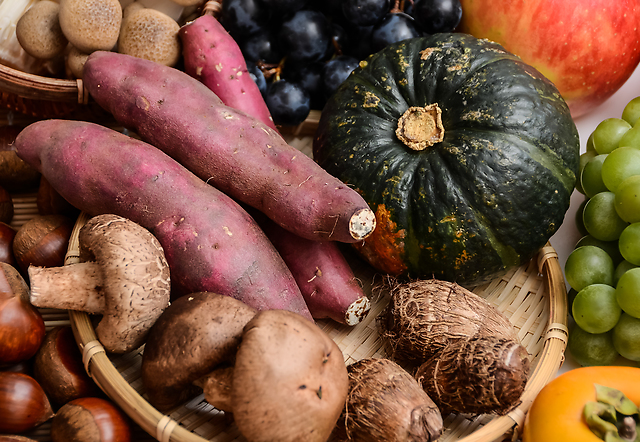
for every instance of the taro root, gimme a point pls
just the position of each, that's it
(423, 316)
(290, 381)
(385, 403)
(59, 369)
(476, 376)
(195, 335)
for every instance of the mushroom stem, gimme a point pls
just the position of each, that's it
(72, 287)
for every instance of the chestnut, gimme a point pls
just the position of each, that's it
(6, 206)
(7, 234)
(50, 202)
(22, 328)
(90, 419)
(59, 369)
(23, 403)
(15, 438)
(42, 241)
(16, 175)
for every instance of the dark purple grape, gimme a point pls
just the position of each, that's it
(339, 41)
(335, 71)
(309, 77)
(435, 16)
(262, 46)
(360, 45)
(288, 103)
(305, 36)
(394, 27)
(365, 12)
(257, 76)
(242, 18)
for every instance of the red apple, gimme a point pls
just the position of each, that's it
(587, 48)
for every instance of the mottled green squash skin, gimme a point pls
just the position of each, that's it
(481, 201)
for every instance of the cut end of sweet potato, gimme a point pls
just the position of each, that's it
(357, 311)
(362, 224)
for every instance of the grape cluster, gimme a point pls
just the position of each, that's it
(300, 51)
(603, 270)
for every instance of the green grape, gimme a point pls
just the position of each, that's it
(622, 163)
(591, 176)
(628, 292)
(627, 201)
(631, 138)
(611, 247)
(631, 112)
(590, 349)
(579, 220)
(584, 159)
(626, 337)
(620, 269)
(629, 243)
(588, 265)
(607, 134)
(589, 147)
(595, 308)
(601, 219)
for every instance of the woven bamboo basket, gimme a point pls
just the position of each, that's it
(532, 296)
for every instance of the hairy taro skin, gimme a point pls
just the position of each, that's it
(385, 403)
(227, 148)
(480, 375)
(483, 200)
(210, 243)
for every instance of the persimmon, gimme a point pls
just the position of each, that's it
(556, 414)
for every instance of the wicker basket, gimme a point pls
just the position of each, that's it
(532, 296)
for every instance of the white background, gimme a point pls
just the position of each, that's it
(567, 236)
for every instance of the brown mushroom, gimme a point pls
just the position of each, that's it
(39, 32)
(91, 25)
(194, 336)
(290, 381)
(150, 34)
(123, 275)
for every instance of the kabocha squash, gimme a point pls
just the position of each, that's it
(467, 155)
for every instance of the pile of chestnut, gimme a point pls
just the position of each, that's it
(42, 376)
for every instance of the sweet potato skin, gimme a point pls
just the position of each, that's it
(324, 276)
(212, 56)
(211, 244)
(227, 148)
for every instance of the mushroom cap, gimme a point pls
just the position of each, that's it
(38, 31)
(75, 61)
(290, 381)
(135, 276)
(193, 336)
(91, 25)
(150, 34)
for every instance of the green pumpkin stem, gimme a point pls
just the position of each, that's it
(421, 127)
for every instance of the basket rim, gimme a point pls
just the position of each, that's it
(165, 429)
(37, 87)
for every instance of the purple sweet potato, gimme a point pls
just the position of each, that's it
(212, 56)
(227, 148)
(324, 276)
(210, 242)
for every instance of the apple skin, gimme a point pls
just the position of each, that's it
(587, 48)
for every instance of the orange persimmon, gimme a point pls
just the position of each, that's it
(556, 412)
